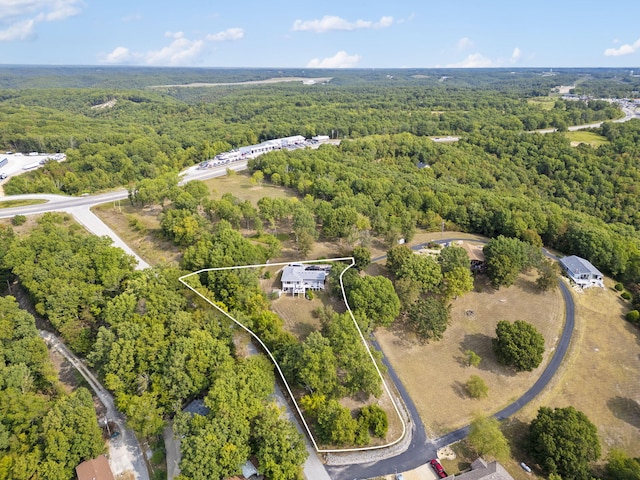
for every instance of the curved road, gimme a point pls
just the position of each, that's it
(422, 449)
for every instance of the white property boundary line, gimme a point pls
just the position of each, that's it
(284, 380)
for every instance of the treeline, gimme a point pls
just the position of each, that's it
(377, 178)
(146, 132)
(326, 366)
(44, 432)
(154, 346)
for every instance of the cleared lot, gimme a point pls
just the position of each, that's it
(435, 374)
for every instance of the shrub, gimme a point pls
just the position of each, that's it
(473, 359)
(626, 295)
(633, 316)
(18, 220)
(619, 287)
(476, 387)
(375, 420)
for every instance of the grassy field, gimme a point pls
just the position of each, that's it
(435, 373)
(140, 229)
(545, 103)
(600, 374)
(20, 203)
(590, 138)
(240, 186)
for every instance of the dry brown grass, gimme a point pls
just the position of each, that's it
(600, 373)
(239, 185)
(435, 374)
(140, 229)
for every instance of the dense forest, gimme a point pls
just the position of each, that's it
(157, 346)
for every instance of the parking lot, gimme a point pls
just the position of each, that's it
(18, 163)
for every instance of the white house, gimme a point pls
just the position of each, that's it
(297, 278)
(582, 272)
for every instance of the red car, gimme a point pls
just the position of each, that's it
(438, 468)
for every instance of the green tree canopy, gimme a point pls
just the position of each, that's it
(518, 344)
(564, 441)
(429, 317)
(487, 439)
(376, 298)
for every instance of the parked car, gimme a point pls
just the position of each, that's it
(399, 476)
(3, 176)
(438, 468)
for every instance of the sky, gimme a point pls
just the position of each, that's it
(321, 34)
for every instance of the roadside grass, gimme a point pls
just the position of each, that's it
(20, 203)
(600, 373)
(140, 229)
(590, 138)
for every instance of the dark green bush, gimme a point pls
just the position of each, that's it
(633, 316)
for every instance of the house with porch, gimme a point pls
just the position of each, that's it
(297, 278)
(582, 272)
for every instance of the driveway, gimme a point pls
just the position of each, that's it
(125, 454)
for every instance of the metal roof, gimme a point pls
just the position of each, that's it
(300, 273)
(577, 265)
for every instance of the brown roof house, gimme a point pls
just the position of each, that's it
(481, 470)
(95, 469)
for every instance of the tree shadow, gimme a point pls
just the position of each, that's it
(626, 409)
(483, 346)
(460, 389)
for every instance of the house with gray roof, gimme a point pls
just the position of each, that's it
(481, 470)
(582, 272)
(297, 278)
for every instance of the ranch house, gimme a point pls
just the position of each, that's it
(582, 272)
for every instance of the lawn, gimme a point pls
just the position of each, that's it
(435, 373)
(590, 138)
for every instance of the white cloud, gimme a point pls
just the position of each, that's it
(18, 31)
(517, 53)
(465, 43)
(331, 23)
(227, 35)
(18, 18)
(121, 55)
(474, 60)
(408, 19)
(180, 51)
(340, 60)
(625, 49)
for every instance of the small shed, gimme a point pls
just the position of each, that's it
(95, 469)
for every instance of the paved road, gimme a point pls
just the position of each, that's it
(80, 207)
(628, 115)
(422, 449)
(125, 453)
